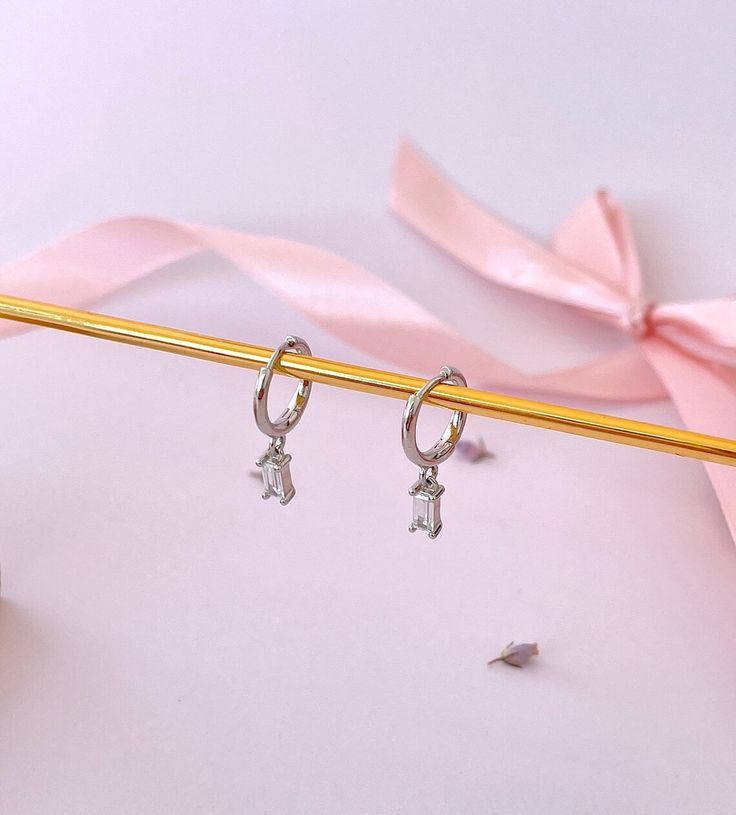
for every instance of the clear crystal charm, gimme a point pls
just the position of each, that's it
(274, 465)
(426, 493)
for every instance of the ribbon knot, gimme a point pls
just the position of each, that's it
(638, 321)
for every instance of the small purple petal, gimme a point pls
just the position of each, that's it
(520, 654)
(474, 451)
(517, 655)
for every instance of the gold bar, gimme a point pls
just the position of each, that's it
(369, 380)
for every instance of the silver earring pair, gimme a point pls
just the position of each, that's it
(275, 463)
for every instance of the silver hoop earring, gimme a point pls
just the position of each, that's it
(274, 463)
(427, 491)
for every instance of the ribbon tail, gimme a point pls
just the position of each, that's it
(705, 397)
(84, 267)
(350, 302)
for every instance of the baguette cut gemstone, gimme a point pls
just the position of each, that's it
(276, 473)
(426, 496)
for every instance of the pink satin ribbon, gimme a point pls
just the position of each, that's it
(686, 351)
(683, 350)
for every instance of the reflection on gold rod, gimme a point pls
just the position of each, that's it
(369, 380)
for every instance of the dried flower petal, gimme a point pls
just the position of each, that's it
(517, 654)
(474, 451)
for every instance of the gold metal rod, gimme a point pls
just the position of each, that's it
(369, 380)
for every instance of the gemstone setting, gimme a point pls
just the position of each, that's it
(276, 474)
(426, 494)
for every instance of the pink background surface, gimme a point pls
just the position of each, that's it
(168, 641)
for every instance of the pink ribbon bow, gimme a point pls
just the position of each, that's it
(686, 351)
